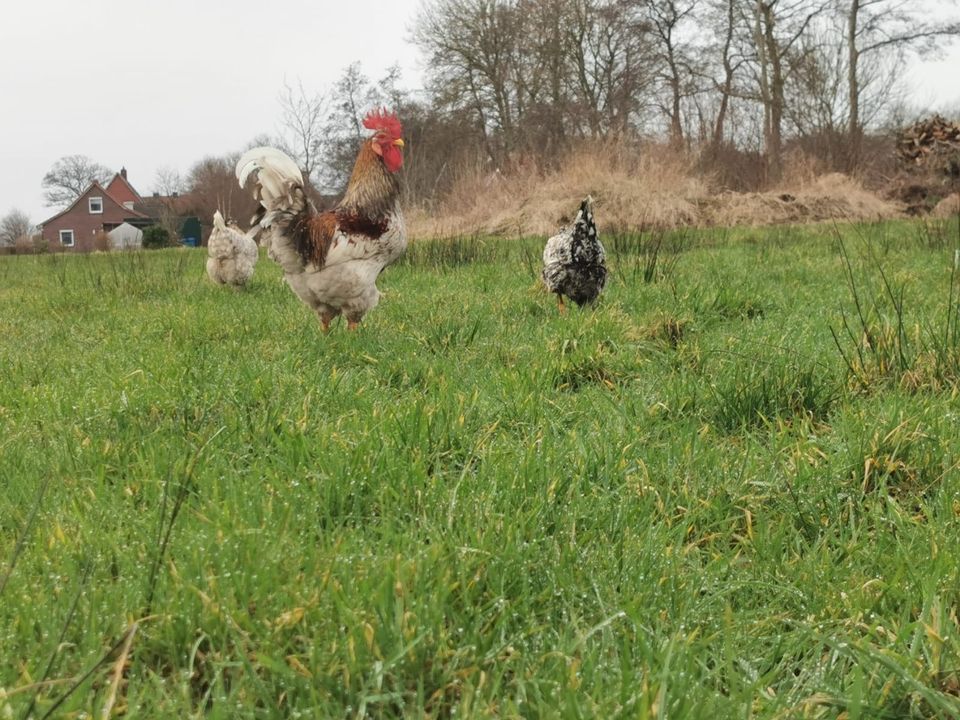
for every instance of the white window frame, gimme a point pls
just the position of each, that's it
(73, 238)
(90, 202)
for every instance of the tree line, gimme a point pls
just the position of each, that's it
(531, 75)
(509, 82)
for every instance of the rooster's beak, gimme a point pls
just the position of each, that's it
(398, 142)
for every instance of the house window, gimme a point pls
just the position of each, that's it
(66, 238)
(96, 205)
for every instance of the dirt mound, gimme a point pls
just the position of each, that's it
(833, 196)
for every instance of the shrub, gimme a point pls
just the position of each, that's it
(156, 236)
(102, 242)
(27, 245)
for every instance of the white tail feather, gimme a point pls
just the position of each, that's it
(277, 176)
(218, 222)
(268, 158)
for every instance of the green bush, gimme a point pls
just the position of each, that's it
(156, 236)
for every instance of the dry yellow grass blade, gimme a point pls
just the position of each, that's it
(117, 673)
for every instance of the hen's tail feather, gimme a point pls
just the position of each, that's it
(585, 216)
(219, 245)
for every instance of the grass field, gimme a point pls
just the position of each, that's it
(725, 492)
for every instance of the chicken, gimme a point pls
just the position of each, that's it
(332, 259)
(233, 254)
(574, 263)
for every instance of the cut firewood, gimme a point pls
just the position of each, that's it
(933, 143)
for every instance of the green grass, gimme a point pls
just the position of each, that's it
(694, 500)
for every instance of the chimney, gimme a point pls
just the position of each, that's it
(123, 173)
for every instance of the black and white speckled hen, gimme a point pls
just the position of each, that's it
(574, 263)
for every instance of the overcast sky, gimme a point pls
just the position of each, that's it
(161, 84)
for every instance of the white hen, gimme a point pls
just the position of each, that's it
(233, 254)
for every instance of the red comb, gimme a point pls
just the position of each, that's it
(386, 122)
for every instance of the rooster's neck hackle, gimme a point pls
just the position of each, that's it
(372, 190)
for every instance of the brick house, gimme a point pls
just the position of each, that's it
(98, 209)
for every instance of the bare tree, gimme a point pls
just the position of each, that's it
(668, 20)
(212, 185)
(612, 68)
(473, 47)
(726, 22)
(302, 118)
(815, 98)
(69, 177)
(533, 73)
(13, 226)
(168, 182)
(778, 26)
(352, 96)
(515, 81)
(541, 74)
(876, 27)
(390, 91)
(170, 186)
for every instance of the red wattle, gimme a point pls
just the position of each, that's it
(392, 158)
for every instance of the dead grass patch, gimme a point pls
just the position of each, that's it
(903, 462)
(948, 207)
(828, 197)
(667, 330)
(649, 187)
(646, 187)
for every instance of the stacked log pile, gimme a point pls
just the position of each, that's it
(933, 143)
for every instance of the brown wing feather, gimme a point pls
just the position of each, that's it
(353, 223)
(313, 242)
(315, 235)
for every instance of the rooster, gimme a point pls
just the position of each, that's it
(332, 259)
(233, 254)
(574, 263)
